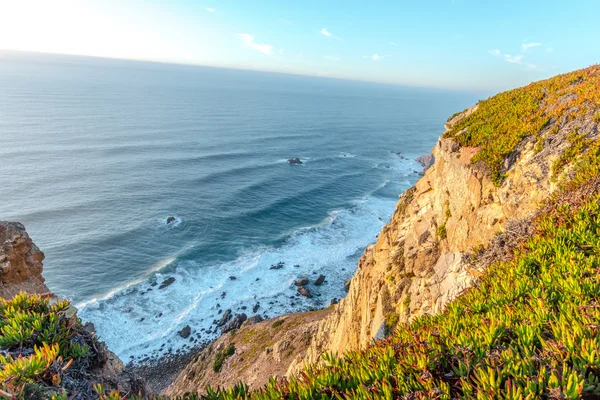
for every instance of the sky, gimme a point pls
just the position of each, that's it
(457, 44)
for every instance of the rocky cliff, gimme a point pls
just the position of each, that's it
(449, 227)
(20, 261)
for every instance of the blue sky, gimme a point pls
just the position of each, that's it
(460, 44)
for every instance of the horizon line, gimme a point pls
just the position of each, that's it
(236, 68)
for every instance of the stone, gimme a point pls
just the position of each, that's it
(333, 301)
(301, 282)
(167, 282)
(304, 291)
(224, 318)
(170, 219)
(320, 279)
(295, 161)
(232, 278)
(235, 323)
(426, 161)
(255, 319)
(255, 307)
(185, 332)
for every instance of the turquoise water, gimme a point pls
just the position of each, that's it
(96, 154)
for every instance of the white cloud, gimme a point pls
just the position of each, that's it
(209, 9)
(495, 52)
(374, 57)
(393, 43)
(325, 32)
(526, 46)
(248, 40)
(514, 59)
(518, 59)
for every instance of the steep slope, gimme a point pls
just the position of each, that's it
(495, 167)
(20, 262)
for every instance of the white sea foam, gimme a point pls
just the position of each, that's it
(140, 319)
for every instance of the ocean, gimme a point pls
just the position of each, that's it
(96, 154)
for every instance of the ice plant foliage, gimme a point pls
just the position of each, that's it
(501, 122)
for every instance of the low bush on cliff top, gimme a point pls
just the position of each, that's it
(41, 344)
(503, 121)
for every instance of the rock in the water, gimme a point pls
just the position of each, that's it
(301, 282)
(304, 291)
(347, 284)
(171, 219)
(167, 282)
(255, 307)
(185, 332)
(233, 278)
(279, 265)
(333, 301)
(224, 318)
(319, 281)
(295, 161)
(235, 323)
(426, 161)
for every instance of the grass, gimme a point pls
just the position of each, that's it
(501, 122)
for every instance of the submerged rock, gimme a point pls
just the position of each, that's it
(171, 219)
(319, 281)
(185, 332)
(167, 282)
(224, 318)
(295, 161)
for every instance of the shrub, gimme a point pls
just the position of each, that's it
(278, 323)
(222, 356)
(501, 122)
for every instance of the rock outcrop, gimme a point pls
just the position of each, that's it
(20, 262)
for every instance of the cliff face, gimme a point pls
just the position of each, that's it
(446, 230)
(422, 258)
(20, 261)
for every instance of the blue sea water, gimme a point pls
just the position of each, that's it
(95, 154)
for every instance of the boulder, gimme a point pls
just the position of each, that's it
(426, 161)
(224, 318)
(171, 219)
(295, 161)
(167, 282)
(255, 319)
(301, 282)
(333, 301)
(185, 332)
(255, 307)
(319, 281)
(304, 291)
(235, 323)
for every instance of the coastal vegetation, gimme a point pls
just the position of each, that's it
(501, 122)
